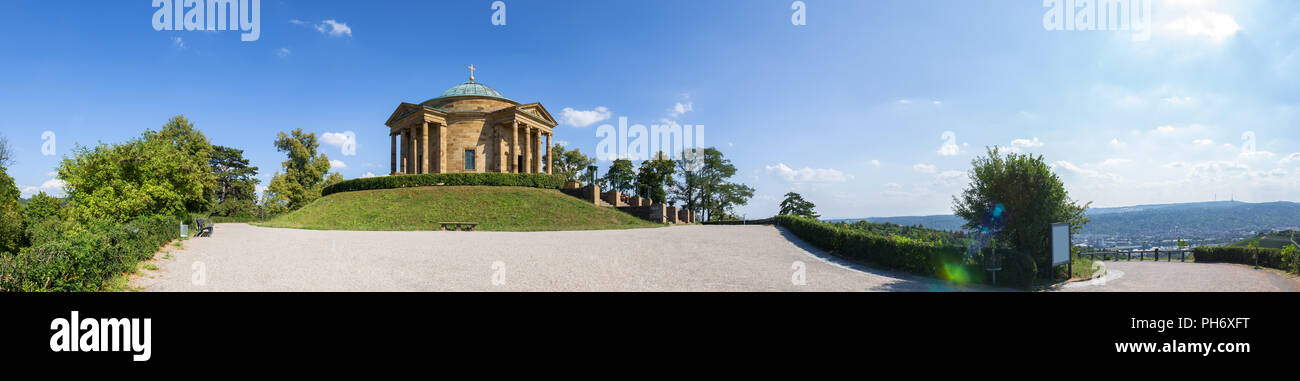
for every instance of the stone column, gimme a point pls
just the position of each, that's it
(537, 158)
(405, 151)
(424, 146)
(514, 147)
(392, 151)
(528, 150)
(442, 148)
(409, 147)
(549, 163)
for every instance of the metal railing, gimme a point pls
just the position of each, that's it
(1141, 254)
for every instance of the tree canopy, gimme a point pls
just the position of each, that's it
(621, 175)
(163, 172)
(701, 184)
(304, 173)
(236, 189)
(1017, 198)
(570, 163)
(11, 217)
(795, 205)
(653, 178)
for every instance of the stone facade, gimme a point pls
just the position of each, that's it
(470, 128)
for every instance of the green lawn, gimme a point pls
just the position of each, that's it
(493, 208)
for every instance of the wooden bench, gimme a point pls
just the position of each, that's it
(202, 228)
(457, 226)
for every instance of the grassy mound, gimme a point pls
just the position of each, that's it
(494, 208)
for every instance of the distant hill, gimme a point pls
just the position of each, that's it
(1275, 240)
(1154, 225)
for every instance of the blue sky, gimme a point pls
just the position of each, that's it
(851, 109)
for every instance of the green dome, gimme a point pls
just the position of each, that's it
(471, 89)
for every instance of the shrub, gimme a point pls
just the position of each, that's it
(908, 255)
(532, 180)
(83, 257)
(1272, 258)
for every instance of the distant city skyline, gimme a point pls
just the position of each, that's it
(871, 109)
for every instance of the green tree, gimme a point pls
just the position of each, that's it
(182, 134)
(795, 205)
(12, 236)
(43, 207)
(164, 172)
(702, 186)
(6, 152)
(304, 173)
(236, 190)
(620, 176)
(1023, 198)
(653, 177)
(571, 164)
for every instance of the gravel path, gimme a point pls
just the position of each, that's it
(1196, 277)
(241, 257)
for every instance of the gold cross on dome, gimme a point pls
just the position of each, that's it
(471, 73)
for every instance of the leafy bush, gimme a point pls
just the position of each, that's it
(83, 257)
(1285, 260)
(532, 180)
(909, 255)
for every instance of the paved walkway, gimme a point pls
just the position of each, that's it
(1178, 277)
(240, 257)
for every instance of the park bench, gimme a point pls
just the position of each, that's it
(456, 226)
(202, 228)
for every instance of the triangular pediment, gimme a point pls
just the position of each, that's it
(537, 109)
(402, 110)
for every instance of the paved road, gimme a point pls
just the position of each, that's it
(691, 258)
(1177, 277)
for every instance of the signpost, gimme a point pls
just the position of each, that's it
(1061, 244)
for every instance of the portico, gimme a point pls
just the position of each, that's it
(470, 128)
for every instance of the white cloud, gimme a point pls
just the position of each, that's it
(336, 164)
(346, 141)
(1203, 142)
(1117, 144)
(681, 108)
(1113, 162)
(1026, 143)
(808, 175)
(581, 118)
(296, 22)
(893, 186)
(1178, 100)
(876, 163)
(951, 178)
(1292, 158)
(1257, 155)
(924, 168)
(1212, 25)
(368, 175)
(1166, 129)
(904, 101)
(283, 52)
(53, 187)
(179, 42)
(334, 28)
(1068, 166)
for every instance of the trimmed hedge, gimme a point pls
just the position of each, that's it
(894, 253)
(1286, 260)
(531, 180)
(85, 258)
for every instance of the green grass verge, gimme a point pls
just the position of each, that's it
(494, 208)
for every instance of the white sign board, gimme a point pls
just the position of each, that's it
(1060, 244)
